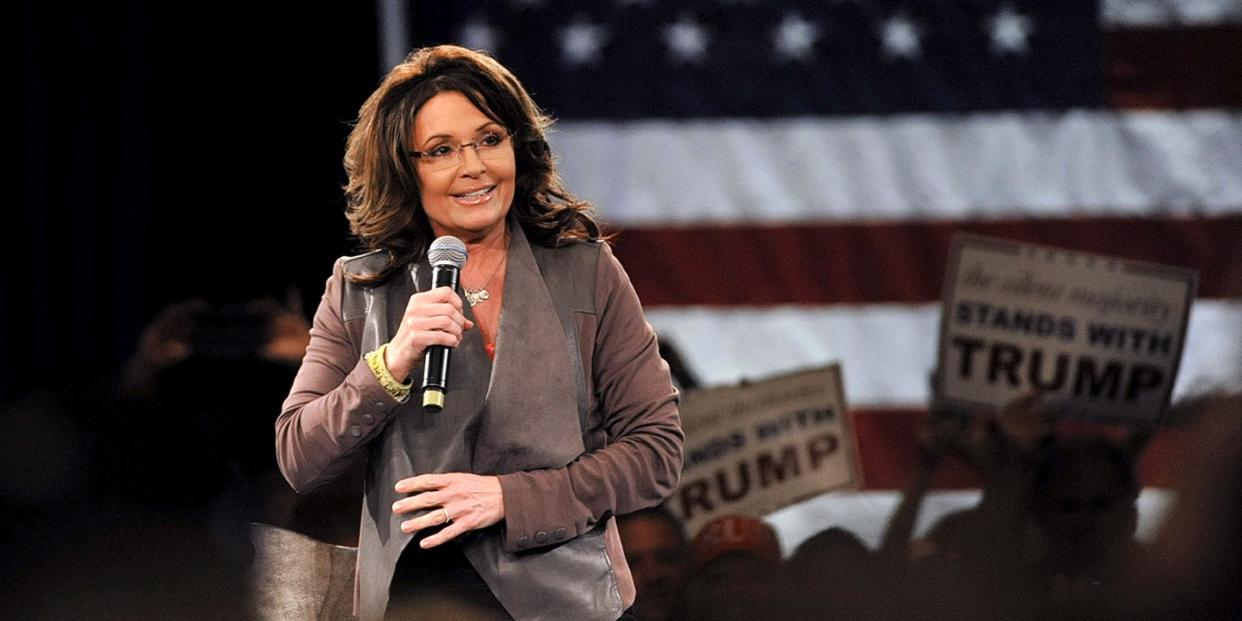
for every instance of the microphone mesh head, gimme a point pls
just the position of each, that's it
(447, 250)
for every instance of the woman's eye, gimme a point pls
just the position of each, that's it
(440, 151)
(491, 140)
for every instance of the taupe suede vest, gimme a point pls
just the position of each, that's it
(526, 411)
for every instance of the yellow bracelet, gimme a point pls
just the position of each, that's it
(375, 361)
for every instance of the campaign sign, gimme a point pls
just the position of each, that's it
(1100, 336)
(754, 448)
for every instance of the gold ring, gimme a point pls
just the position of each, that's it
(447, 519)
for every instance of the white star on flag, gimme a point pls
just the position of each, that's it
(900, 37)
(686, 40)
(581, 43)
(1010, 31)
(476, 34)
(795, 38)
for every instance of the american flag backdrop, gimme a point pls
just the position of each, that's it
(785, 176)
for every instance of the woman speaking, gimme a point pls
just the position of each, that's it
(558, 412)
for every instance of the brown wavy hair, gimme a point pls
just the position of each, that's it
(382, 195)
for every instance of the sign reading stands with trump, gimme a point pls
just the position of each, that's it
(1101, 337)
(754, 448)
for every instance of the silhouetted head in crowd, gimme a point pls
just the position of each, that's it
(735, 536)
(260, 329)
(199, 393)
(657, 553)
(1085, 500)
(194, 432)
(735, 571)
(833, 575)
(830, 553)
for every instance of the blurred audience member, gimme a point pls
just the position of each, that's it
(1193, 570)
(1051, 534)
(658, 554)
(259, 329)
(828, 553)
(834, 575)
(1084, 507)
(734, 535)
(210, 376)
(736, 563)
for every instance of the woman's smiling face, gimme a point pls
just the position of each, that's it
(470, 198)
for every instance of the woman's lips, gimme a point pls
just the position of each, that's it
(474, 198)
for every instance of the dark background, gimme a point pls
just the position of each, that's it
(168, 152)
(172, 151)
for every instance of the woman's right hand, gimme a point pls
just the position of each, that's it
(431, 318)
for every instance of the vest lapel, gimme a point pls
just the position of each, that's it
(531, 413)
(530, 421)
(422, 442)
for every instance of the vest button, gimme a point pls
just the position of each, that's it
(558, 534)
(523, 541)
(355, 431)
(541, 537)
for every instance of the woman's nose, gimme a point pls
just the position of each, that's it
(471, 163)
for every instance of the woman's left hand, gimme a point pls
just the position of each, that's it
(468, 501)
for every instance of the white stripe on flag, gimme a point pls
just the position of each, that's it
(887, 351)
(906, 167)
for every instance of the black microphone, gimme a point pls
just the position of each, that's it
(447, 254)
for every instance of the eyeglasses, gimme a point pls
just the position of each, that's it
(489, 146)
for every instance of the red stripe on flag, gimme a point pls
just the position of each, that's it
(902, 262)
(1172, 68)
(888, 451)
